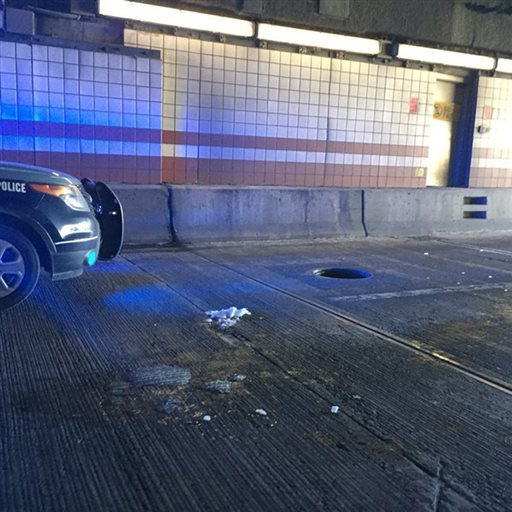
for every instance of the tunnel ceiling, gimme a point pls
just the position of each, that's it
(474, 24)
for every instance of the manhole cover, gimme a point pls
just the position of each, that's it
(342, 273)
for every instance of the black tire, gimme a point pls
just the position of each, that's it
(19, 267)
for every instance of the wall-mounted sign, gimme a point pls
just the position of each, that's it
(413, 105)
(445, 111)
(487, 112)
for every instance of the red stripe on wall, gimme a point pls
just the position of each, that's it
(79, 131)
(109, 168)
(494, 153)
(283, 143)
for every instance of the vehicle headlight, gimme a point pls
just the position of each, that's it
(75, 229)
(70, 194)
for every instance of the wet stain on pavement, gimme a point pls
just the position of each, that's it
(160, 376)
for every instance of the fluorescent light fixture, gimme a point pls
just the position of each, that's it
(176, 17)
(444, 57)
(504, 66)
(315, 39)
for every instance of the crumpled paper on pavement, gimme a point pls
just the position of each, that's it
(224, 318)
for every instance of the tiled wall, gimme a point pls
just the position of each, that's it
(239, 115)
(232, 115)
(89, 113)
(492, 151)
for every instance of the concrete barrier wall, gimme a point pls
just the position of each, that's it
(146, 213)
(203, 214)
(404, 212)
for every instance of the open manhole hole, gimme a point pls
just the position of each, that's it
(342, 273)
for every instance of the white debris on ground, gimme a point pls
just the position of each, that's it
(425, 253)
(207, 418)
(219, 386)
(335, 409)
(224, 318)
(261, 412)
(238, 377)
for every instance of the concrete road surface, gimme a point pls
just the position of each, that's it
(108, 380)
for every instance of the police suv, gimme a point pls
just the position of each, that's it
(52, 221)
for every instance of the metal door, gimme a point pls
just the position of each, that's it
(443, 136)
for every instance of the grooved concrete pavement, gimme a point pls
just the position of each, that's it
(89, 365)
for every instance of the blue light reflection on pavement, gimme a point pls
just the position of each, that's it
(113, 267)
(148, 298)
(151, 285)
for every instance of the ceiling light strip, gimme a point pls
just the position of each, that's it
(161, 15)
(445, 57)
(504, 66)
(311, 38)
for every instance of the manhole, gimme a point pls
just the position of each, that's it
(342, 273)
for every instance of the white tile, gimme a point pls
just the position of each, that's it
(130, 37)
(11, 81)
(115, 90)
(128, 92)
(102, 75)
(273, 82)
(143, 39)
(129, 63)
(86, 73)
(263, 68)
(56, 85)
(9, 97)
(129, 107)
(143, 93)
(114, 105)
(8, 65)
(241, 53)
(23, 51)
(100, 59)
(40, 83)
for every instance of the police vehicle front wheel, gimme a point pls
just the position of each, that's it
(19, 267)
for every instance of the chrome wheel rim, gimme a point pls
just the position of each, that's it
(12, 268)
